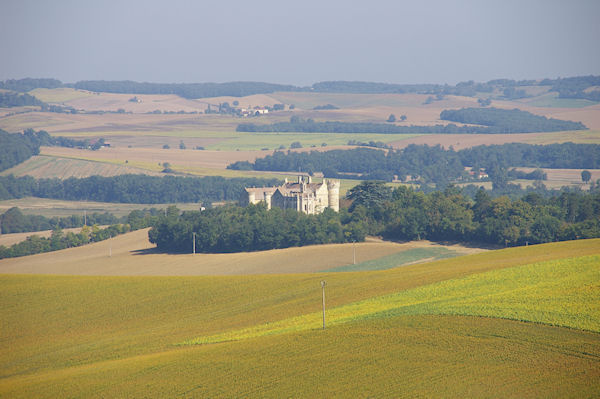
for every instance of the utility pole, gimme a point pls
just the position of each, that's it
(194, 243)
(354, 252)
(85, 217)
(323, 284)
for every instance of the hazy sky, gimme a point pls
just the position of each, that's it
(299, 42)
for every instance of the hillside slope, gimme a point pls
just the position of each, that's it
(119, 336)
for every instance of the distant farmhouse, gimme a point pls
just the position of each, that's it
(303, 196)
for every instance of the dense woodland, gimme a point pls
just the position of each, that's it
(430, 164)
(400, 214)
(10, 99)
(509, 120)
(185, 90)
(490, 121)
(17, 148)
(140, 189)
(251, 228)
(403, 214)
(584, 87)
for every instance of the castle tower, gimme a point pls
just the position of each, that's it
(333, 195)
(268, 199)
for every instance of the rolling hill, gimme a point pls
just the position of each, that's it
(483, 325)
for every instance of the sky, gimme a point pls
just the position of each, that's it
(300, 42)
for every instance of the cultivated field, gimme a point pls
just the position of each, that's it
(49, 207)
(131, 254)
(49, 167)
(414, 331)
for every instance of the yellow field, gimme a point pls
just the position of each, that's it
(551, 292)
(117, 336)
(48, 167)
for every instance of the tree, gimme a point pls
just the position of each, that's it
(182, 145)
(402, 118)
(296, 144)
(391, 118)
(370, 194)
(586, 176)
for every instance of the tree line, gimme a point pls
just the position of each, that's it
(185, 90)
(576, 87)
(141, 189)
(251, 228)
(509, 120)
(491, 121)
(10, 99)
(571, 87)
(58, 240)
(297, 124)
(14, 221)
(430, 164)
(403, 214)
(399, 214)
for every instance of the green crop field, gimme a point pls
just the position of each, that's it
(409, 256)
(519, 322)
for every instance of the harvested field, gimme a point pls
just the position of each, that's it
(155, 157)
(566, 176)
(48, 167)
(131, 255)
(60, 95)
(50, 207)
(460, 141)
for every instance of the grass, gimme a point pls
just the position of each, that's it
(115, 336)
(402, 258)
